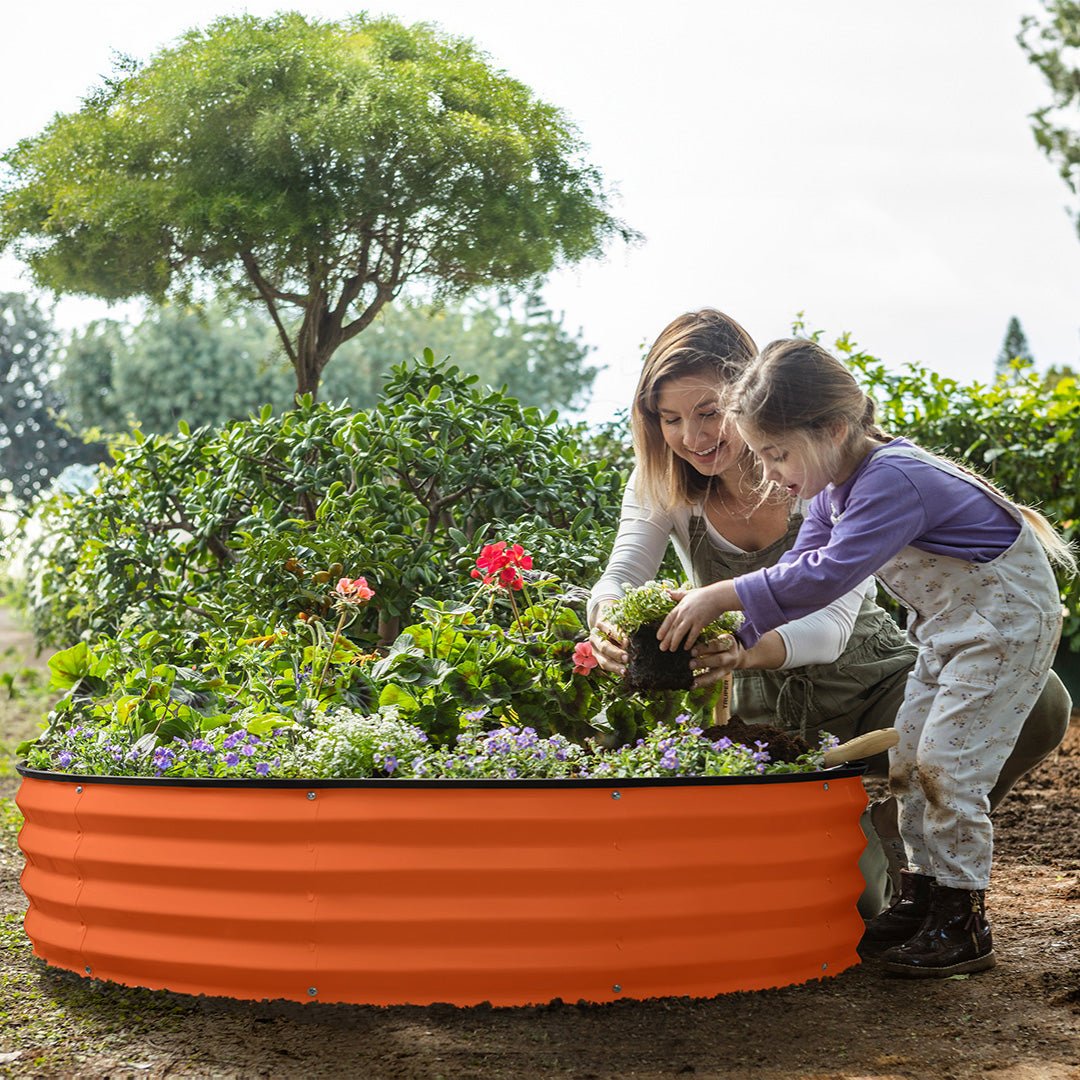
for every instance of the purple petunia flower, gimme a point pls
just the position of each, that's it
(202, 745)
(232, 760)
(163, 758)
(262, 768)
(247, 750)
(232, 740)
(65, 759)
(390, 763)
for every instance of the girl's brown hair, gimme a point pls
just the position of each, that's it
(707, 344)
(797, 390)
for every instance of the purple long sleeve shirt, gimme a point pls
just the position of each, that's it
(887, 504)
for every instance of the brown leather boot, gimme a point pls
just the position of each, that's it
(954, 939)
(901, 919)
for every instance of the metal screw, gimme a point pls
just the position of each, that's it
(78, 789)
(312, 991)
(617, 988)
(87, 969)
(825, 786)
(616, 795)
(311, 794)
(824, 967)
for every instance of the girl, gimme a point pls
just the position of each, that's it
(973, 570)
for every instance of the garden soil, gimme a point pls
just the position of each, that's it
(1019, 1021)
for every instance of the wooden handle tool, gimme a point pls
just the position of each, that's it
(862, 746)
(722, 708)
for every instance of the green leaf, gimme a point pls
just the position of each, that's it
(69, 665)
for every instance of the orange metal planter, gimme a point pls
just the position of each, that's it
(412, 892)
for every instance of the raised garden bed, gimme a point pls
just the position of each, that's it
(390, 892)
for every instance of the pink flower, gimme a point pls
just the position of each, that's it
(353, 591)
(502, 564)
(584, 661)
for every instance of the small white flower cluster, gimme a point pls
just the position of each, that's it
(348, 744)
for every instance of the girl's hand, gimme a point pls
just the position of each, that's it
(720, 656)
(608, 645)
(683, 624)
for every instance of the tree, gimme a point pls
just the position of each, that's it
(314, 166)
(1047, 46)
(203, 365)
(1014, 347)
(34, 447)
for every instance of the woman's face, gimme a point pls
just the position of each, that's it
(694, 427)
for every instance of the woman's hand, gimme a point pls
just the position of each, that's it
(608, 645)
(718, 657)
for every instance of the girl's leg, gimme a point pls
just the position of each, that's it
(1042, 733)
(969, 733)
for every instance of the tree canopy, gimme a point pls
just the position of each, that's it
(1051, 44)
(313, 166)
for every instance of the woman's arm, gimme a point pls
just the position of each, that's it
(638, 551)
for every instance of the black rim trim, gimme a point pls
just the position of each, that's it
(836, 773)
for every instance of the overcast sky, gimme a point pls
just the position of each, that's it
(868, 163)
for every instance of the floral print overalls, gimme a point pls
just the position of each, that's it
(986, 634)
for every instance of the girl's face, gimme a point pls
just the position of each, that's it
(694, 427)
(791, 463)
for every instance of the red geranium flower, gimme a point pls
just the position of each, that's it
(353, 591)
(584, 660)
(502, 563)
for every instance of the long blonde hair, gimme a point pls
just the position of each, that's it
(798, 390)
(705, 343)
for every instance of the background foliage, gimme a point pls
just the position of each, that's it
(209, 364)
(198, 528)
(34, 445)
(1051, 43)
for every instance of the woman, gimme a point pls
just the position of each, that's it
(695, 485)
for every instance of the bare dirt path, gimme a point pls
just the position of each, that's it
(1020, 1021)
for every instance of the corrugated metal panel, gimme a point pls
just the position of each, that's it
(445, 894)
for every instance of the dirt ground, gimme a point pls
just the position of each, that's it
(1019, 1021)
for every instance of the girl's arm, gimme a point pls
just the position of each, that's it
(884, 514)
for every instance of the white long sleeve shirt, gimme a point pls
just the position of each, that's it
(638, 551)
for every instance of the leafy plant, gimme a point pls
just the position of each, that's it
(239, 529)
(649, 603)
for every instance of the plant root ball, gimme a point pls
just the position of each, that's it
(649, 669)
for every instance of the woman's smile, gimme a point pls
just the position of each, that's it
(693, 425)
